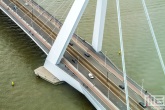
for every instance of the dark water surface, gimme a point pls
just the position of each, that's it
(142, 61)
(19, 56)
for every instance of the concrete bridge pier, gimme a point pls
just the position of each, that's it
(56, 53)
(59, 47)
(63, 76)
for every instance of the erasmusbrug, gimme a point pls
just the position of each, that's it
(142, 59)
(132, 39)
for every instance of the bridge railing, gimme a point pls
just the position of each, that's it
(89, 86)
(28, 20)
(141, 97)
(69, 72)
(47, 14)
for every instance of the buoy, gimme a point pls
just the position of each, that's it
(119, 52)
(12, 83)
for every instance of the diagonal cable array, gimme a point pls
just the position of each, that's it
(122, 54)
(58, 9)
(153, 35)
(37, 5)
(62, 17)
(62, 5)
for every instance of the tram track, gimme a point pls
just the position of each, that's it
(109, 84)
(35, 19)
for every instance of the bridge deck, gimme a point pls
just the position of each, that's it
(80, 46)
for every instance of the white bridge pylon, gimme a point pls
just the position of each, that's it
(99, 25)
(70, 24)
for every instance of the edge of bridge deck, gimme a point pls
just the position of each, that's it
(46, 75)
(43, 70)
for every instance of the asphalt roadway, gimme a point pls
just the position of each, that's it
(84, 71)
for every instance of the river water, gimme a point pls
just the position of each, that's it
(19, 55)
(142, 61)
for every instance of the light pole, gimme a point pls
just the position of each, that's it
(142, 86)
(108, 85)
(32, 16)
(77, 35)
(77, 62)
(105, 58)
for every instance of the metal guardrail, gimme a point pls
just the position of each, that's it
(108, 59)
(88, 84)
(46, 12)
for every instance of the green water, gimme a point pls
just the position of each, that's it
(19, 55)
(141, 57)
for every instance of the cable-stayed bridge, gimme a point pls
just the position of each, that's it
(71, 59)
